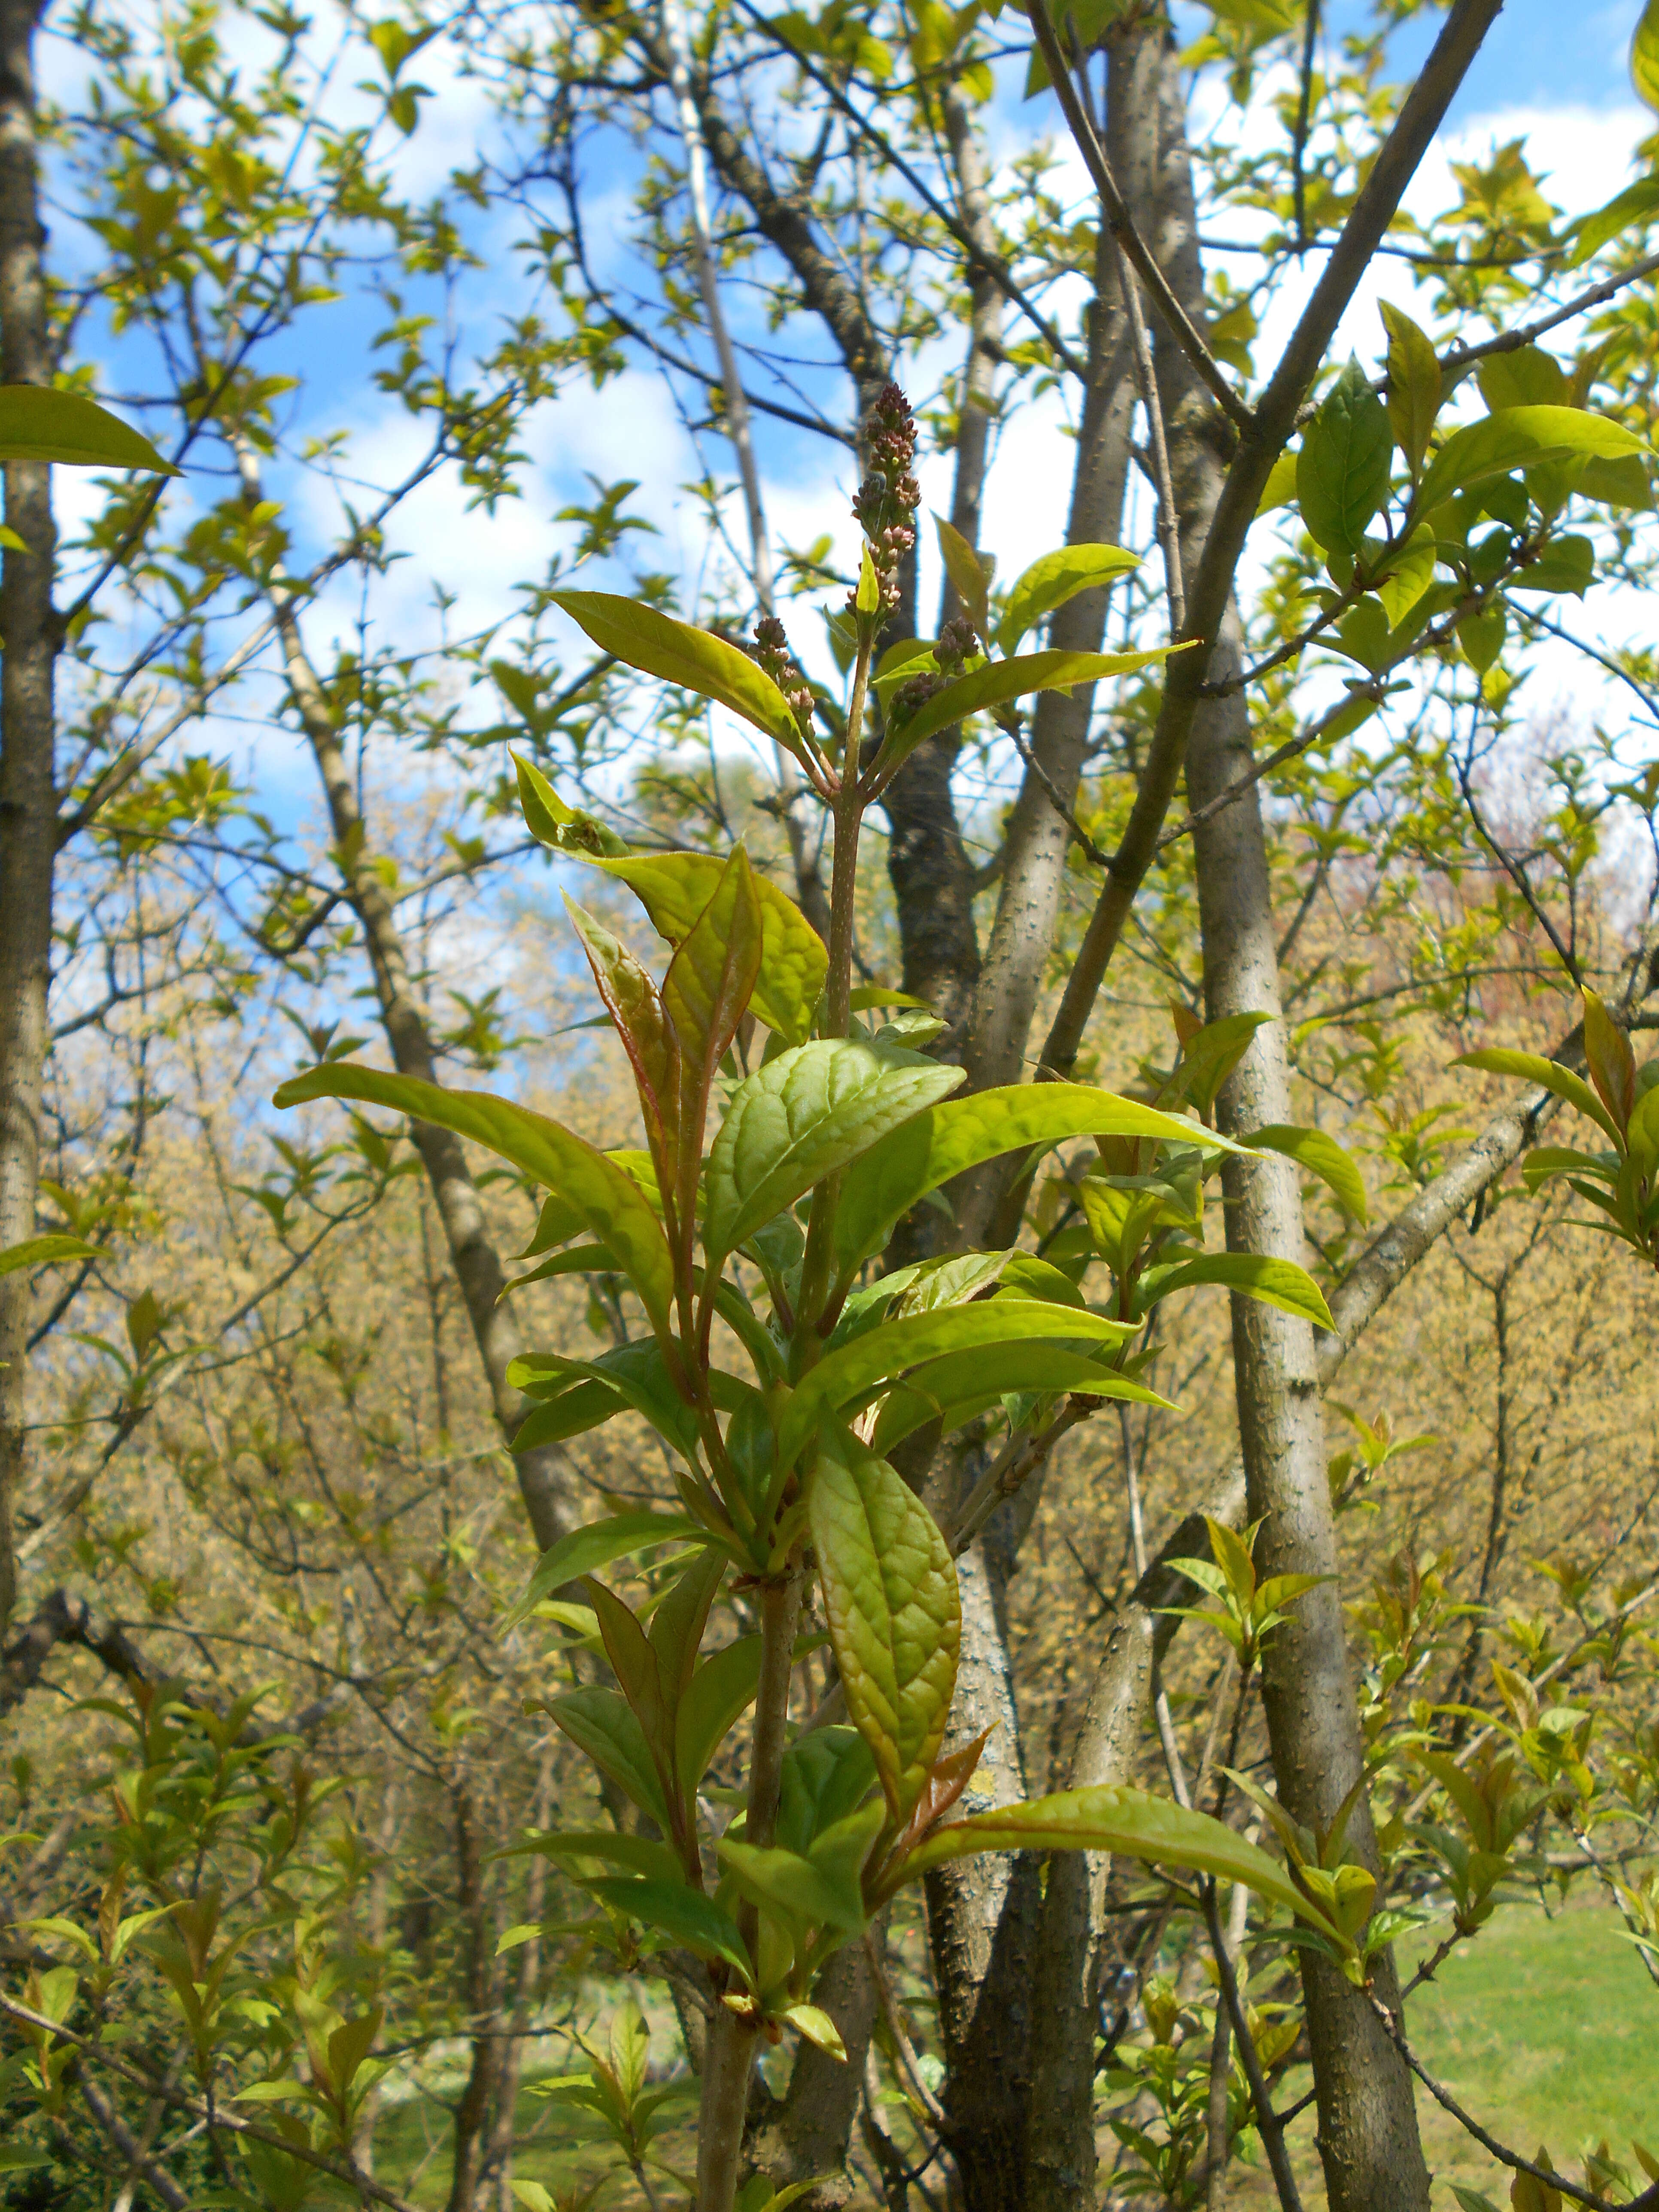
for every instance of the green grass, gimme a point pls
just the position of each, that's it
(1547, 2031)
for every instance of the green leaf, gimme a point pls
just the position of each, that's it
(722, 1690)
(821, 1890)
(46, 1251)
(675, 889)
(1410, 571)
(694, 660)
(1057, 577)
(1342, 469)
(1322, 1156)
(817, 2027)
(889, 1592)
(800, 1117)
(639, 1855)
(585, 1552)
(1591, 232)
(680, 1913)
(1128, 1823)
(1612, 1063)
(948, 1139)
(705, 994)
(896, 1346)
(1414, 385)
(1518, 438)
(971, 572)
(999, 682)
(600, 1722)
(563, 827)
(1644, 56)
(636, 1009)
(963, 1384)
(1280, 491)
(1276, 1282)
(38, 423)
(1549, 1075)
(636, 1374)
(609, 1201)
(1527, 376)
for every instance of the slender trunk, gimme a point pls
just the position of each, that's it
(981, 1921)
(1368, 2132)
(541, 1473)
(984, 1916)
(28, 806)
(1034, 866)
(733, 2036)
(482, 2001)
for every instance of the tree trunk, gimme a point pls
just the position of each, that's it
(1368, 2132)
(482, 1999)
(29, 823)
(541, 1473)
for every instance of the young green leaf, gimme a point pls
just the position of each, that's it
(693, 660)
(889, 1349)
(49, 1251)
(948, 1139)
(722, 1690)
(561, 828)
(599, 1722)
(1415, 383)
(817, 2027)
(682, 1915)
(1644, 56)
(584, 1551)
(608, 1200)
(675, 889)
(1278, 1283)
(1057, 577)
(971, 572)
(997, 683)
(1549, 1075)
(800, 1117)
(889, 1591)
(1342, 469)
(1322, 1156)
(1612, 1063)
(631, 999)
(585, 1847)
(704, 995)
(1130, 1824)
(1519, 438)
(40, 423)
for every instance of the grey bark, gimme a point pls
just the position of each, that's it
(1034, 866)
(28, 651)
(1368, 2134)
(542, 1474)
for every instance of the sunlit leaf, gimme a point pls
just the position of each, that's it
(1057, 577)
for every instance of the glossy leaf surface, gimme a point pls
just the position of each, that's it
(1057, 577)
(802, 1116)
(675, 887)
(889, 1592)
(948, 1139)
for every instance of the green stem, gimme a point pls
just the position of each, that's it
(733, 2036)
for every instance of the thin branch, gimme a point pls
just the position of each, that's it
(1115, 209)
(1303, 111)
(1647, 2202)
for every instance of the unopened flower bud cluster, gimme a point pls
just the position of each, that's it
(771, 650)
(887, 500)
(957, 643)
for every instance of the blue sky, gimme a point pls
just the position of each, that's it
(1560, 80)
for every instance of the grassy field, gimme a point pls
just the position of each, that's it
(1548, 2031)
